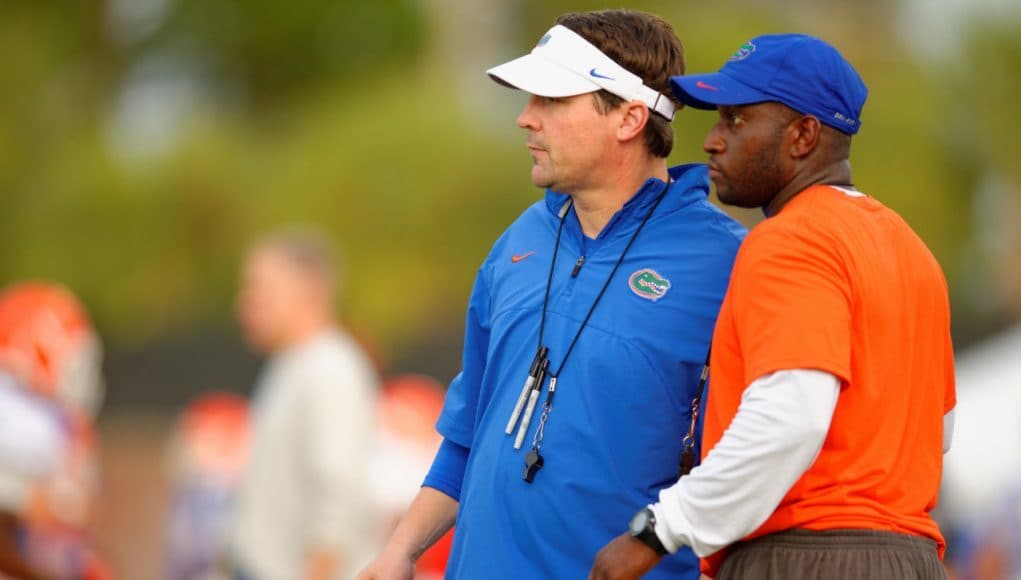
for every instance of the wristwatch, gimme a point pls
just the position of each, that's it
(643, 529)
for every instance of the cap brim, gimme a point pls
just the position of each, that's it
(709, 91)
(541, 77)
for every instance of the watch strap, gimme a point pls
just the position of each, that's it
(648, 535)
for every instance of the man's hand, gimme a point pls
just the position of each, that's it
(429, 517)
(625, 558)
(387, 567)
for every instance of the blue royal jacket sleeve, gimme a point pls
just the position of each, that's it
(446, 474)
(613, 438)
(457, 421)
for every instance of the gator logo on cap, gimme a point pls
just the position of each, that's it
(545, 38)
(744, 52)
(648, 284)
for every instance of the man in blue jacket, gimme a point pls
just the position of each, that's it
(603, 294)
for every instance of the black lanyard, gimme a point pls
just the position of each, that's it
(540, 364)
(620, 260)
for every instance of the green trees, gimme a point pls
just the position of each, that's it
(143, 143)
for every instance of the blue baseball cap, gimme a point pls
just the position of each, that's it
(800, 71)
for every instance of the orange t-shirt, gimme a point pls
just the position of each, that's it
(837, 282)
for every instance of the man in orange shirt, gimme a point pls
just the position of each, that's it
(832, 384)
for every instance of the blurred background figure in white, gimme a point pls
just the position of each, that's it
(209, 451)
(408, 409)
(50, 389)
(304, 509)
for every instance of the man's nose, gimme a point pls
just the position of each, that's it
(528, 119)
(713, 142)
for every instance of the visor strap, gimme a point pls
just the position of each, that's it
(566, 48)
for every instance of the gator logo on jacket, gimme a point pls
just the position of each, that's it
(648, 284)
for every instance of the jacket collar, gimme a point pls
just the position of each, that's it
(688, 183)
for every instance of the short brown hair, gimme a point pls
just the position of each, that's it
(644, 44)
(310, 250)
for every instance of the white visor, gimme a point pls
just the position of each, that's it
(564, 64)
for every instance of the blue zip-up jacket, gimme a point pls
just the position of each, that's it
(622, 403)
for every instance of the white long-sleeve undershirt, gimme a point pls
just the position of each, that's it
(775, 436)
(948, 430)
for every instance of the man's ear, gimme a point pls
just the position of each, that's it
(635, 115)
(803, 136)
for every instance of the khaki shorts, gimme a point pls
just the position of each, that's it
(834, 555)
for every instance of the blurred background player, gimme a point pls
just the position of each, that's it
(304, 509)
(50, 389)
(209, 452)
(408, 441)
